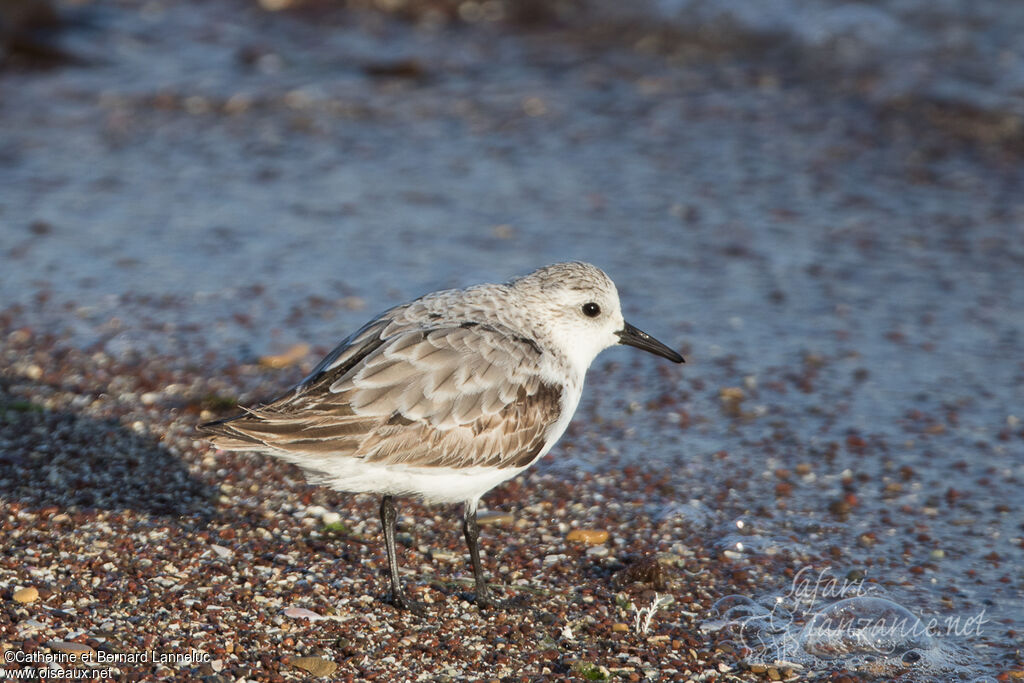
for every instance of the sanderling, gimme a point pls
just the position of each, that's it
(446, 396)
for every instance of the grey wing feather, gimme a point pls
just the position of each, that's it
(450, 396)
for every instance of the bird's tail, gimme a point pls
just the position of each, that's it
(226, 435)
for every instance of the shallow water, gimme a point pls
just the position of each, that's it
(211, 181)
(967, 54)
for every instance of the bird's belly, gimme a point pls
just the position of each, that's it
(433, 484)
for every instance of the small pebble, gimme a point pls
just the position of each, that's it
(221, 551)
(588, 536)
(29, 626)
(727, 394)
(318, 666)
(303, 613)
(329, 517)
(26, 595)
(286, 359)
(444, 556)
(492, 518)
(69, 647)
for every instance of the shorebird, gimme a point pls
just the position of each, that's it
(446, 396)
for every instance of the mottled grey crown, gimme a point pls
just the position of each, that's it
(575, 275)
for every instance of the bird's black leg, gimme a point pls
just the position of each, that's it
(399, 599)
(472, 533)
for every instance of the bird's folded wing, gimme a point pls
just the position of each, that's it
(467, 395)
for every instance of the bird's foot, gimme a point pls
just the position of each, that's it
(487, 600)
(404, 602)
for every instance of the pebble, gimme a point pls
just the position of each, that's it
(492, 518)
(70, 647)
(620, 627)
(283, 360)
(222, 552)
(445, 556)
(731, 394)
(303, 613)
(29, 626)
(318, 666)
(598, 551)
(26, 595)
(330, 517)
(588, 536)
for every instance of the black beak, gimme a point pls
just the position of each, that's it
(630, 336)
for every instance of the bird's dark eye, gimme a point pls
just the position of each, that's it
(591, 310)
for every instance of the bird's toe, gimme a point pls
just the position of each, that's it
(404, 602)
(487, 600)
